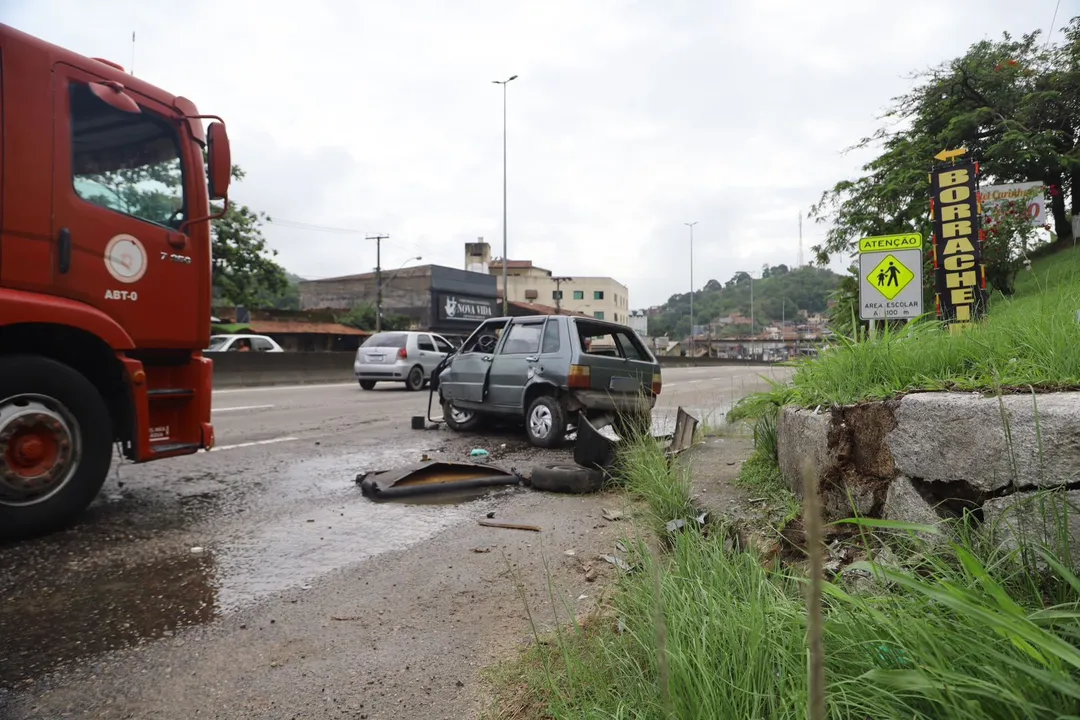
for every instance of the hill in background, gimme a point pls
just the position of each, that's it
(779, 294)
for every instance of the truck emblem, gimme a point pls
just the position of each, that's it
(125, 258)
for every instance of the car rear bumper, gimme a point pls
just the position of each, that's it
(607, 402)
(379, 371)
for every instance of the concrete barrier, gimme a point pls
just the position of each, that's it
(233, 370)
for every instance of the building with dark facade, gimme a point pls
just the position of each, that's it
(440, 299)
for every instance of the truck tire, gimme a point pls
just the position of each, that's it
(460, 420)
(545, 422)
(56, 438)
(565, 478)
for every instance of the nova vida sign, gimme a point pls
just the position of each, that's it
(456, 307)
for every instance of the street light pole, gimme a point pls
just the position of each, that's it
(691, 226)
(506, 290)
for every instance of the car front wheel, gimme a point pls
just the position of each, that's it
(460, 419)
(545, 422)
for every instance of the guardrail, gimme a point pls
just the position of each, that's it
(236, 370)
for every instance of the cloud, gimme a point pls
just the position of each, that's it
(628, 119)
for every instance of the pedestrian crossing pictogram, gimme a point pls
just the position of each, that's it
(890, 276)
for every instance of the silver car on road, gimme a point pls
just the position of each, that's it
(407, 356)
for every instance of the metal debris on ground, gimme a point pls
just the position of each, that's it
(617, 562)
(431, 477)
(479, 550)
(593, 449)
(612, 515)
(509, 526)
(620, 547)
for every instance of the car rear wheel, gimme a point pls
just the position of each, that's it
(545, 422)
(55, 445)
(367, 384)
(415, 379)
(460, 419)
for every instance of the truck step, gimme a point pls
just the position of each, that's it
(173, 448)
(170, 392)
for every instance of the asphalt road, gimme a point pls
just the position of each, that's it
(149, 607)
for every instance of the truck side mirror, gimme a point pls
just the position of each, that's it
(219, 161)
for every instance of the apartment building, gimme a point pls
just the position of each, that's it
(601, 297)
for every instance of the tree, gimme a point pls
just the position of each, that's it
(1011, 103)
(362, 317)
(1009, 237)
(244, 271)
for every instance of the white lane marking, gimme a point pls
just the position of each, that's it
(253, 444)
(266, 388)
(242, 407)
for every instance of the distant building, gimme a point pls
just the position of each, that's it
(639, 322)
(603, 298)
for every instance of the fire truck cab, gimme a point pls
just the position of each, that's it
(106, 185)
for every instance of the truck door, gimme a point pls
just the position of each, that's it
(119, 199)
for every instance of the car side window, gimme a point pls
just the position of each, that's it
(261, 345)
(423, 342)
(523, 339)
(552, 344)
(442, 345)
(492, 330)
(126, 162)
(629, 349)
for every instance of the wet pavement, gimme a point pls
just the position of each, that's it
(269, 519)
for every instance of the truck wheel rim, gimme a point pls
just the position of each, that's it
(540, 421)
(39, 449)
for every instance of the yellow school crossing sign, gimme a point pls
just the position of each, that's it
(890, 276)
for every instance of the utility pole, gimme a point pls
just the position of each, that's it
(691, 226)
(558, 291)
(800, 240)
(378, 278)
(506, 289)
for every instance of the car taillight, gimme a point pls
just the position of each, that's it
(403, 353)
(579, 377)
(657, 383)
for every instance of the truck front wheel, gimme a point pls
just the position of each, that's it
(55, 445)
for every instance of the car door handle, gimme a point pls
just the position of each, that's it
(63, 243)
(486, 358)
(532, 358)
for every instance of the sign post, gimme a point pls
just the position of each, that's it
(890, 277)
(959, 273)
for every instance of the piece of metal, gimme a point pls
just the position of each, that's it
(432, 477)
(683, 437)
(595, 450)
(39, 449)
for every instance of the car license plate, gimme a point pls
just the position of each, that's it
(624, 384)
(374, 358)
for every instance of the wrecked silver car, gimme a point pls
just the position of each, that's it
(546, 370)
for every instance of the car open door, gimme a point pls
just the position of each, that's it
(466, 378)
(514, 362)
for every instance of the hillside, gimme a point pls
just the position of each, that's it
(781, 293)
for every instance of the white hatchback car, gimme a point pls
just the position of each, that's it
(237, 343)
(407, 356)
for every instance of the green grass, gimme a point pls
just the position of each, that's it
(1027, 341)
(954, 631)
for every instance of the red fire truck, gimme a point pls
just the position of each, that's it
(105, 282)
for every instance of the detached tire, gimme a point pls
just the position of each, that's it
(567, 479)
(460, 420)
(545, 422)
(415, 379)
(56, 438)
(367, 384)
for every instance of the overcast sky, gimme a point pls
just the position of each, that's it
(629, 118)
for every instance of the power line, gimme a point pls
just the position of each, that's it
(1052, 21)
(298, 225)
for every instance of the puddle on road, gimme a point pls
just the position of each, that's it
(91, 605)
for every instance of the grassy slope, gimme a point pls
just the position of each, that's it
(1029, 341)
(705, 631)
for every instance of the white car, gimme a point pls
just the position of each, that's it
(407, 356)
(243, 343)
